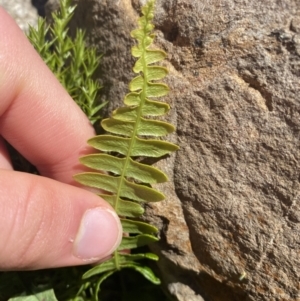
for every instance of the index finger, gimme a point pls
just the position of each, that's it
(37, 116)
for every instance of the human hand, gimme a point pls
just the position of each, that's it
(45, 221)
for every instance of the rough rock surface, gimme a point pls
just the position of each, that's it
(230, 226)
(22, 11)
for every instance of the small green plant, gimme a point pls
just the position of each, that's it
(134, 133)
(73, 63)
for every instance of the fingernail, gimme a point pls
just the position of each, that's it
(99, 234)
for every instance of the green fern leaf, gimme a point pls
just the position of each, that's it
(136, 241)
(145, 271)
(123, 181)
(123, 260)
(125, 208)
(139, 172)
(103, 277)
(130, 226)
(138, 147)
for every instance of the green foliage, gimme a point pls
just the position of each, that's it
(132, 133)
(44, 295)
(69, 59)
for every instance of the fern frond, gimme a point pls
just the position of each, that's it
(131, 133)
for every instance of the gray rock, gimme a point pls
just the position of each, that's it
(22, 11)
(230, 226)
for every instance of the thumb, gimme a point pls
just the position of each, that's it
(47, 224)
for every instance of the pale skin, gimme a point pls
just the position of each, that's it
(41, 222)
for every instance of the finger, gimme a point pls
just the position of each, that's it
(38, 117)
(5, 162)
(47, 224)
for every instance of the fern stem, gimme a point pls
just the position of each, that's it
(134, 134)
(135, 129)
(116, 260)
